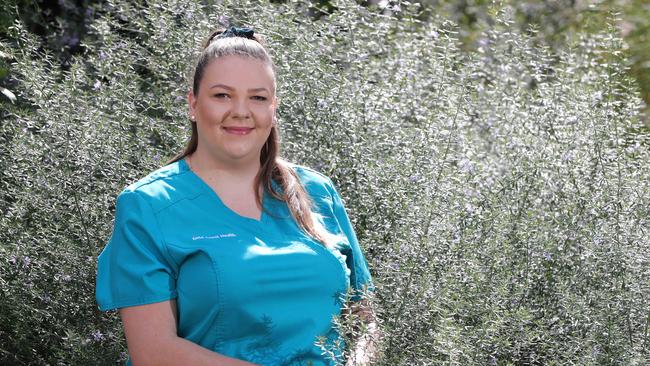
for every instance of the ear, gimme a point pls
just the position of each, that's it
(191, 103)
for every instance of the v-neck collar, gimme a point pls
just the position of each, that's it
(201, 184)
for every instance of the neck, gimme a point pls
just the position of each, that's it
(203, 163)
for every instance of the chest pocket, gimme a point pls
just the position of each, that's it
(199, 281)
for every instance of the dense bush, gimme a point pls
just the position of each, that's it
(551, 22)
(501, 197)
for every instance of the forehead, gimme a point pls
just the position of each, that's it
(239, 72)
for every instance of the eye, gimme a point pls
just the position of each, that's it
(259, 98)
(220, 95)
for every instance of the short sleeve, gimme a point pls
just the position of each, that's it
(360, 278)
(133, 268)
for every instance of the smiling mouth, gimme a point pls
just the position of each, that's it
(238, 130)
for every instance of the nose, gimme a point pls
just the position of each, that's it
(240, 109)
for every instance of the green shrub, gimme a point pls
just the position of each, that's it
(501, 197)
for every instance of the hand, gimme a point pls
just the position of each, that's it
(366, 348)
(358, 358)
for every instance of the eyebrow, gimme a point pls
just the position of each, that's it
(253, 90)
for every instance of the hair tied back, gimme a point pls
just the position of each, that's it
(232, 32)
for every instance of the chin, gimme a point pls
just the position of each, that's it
(244, 155)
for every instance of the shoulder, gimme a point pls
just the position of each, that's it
(162, 187)
(316, 183)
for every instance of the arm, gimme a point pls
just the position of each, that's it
(152, 340)
(367, 337)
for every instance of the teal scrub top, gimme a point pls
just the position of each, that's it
(260, 291)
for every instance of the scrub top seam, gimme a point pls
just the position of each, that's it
(152, 178)
(138, 189)
(176, 202)
(164, 243)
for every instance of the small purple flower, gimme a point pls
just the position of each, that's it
(547, 256)
(67, 5)
(97, 336)
(97, 85)
(74, 40)
(493, 360)
(12, 259)
(26, 261)
(123, 356)
(465, 165)
(102, 55)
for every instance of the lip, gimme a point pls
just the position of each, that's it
(238, 130)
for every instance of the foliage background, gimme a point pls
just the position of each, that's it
(497, 182)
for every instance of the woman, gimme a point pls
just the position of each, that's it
(229, 255)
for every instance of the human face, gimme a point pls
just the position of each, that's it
(234, 110)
